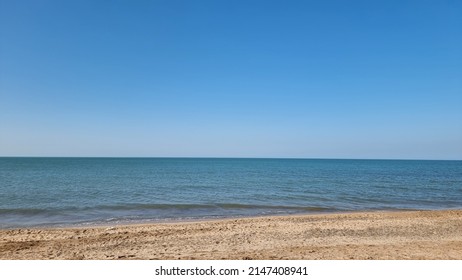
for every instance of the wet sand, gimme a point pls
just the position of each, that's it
(369, 235)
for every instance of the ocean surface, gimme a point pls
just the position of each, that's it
(37, 192)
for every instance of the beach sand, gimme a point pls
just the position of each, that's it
(371, 235)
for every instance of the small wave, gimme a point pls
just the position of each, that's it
(25, 211)
(129, 207)
(275, 207)
(224, 206)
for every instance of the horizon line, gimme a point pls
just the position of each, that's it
(229, 157)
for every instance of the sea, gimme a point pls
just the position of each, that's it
(68, 192)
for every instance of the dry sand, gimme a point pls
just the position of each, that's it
(372, 235)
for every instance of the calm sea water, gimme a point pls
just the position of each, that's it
(88, 191)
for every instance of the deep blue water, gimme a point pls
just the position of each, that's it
(88, 191)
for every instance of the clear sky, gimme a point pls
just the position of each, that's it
(310, 79)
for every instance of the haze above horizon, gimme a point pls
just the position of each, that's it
(253, 79)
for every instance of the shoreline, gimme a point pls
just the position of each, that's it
(234, 218)
(168, 221)
(423, 234)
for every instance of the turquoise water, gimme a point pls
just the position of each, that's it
(88, 191)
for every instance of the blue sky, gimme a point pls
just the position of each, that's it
(310, 79)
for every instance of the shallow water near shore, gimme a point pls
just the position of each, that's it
(89, 191)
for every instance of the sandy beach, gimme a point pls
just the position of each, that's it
(371, 235)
